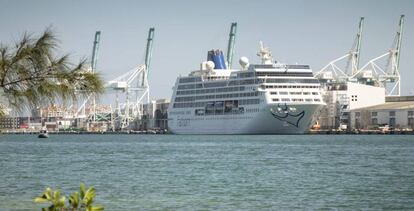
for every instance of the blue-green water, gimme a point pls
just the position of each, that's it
(171, 172)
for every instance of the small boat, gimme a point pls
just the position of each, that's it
(43, 134)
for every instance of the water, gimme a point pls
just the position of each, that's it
(171, 172)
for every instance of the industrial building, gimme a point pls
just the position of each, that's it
(395, 113)
(341, 98)
(155, 116)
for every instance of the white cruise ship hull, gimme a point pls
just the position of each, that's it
(270, 119)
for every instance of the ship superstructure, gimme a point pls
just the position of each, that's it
(266, 98)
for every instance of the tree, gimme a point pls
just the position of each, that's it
(31, 73)
(79, 201)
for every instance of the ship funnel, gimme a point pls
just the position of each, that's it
(217, 57)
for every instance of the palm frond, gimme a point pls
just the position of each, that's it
(31, 74)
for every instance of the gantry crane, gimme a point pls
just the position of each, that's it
(132, 88)
(135, 88)
(332, 72)
(387, 76)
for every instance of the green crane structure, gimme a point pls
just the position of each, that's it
(230, 47)
(93, 67)
(389, 76)
(399, 39)
(148, 54)
(332, 73)
(358, 45)
(95, 50)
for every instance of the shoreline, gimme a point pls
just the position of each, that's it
(153, 132)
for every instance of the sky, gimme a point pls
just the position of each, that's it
(310, 32)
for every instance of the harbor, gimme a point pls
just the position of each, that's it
(352, 97)
(216, 105)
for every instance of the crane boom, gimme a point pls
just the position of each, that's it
(399, 39)
(148, 54)
(148, 51)
(230, 47)
(359, 39)
(95, 50)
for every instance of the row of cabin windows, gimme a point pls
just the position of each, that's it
(273, 74)
(292, 80)
(286, 67)
(218, 84)
(286, 86)
(203, 104)
(239, 110)
(220, 108)
(294, 93)
(202, 97)
(246, 75)
(217, 77)
(214, 90)
(220, 111)
(295, 100)
(247, 82)
(297, 74)
(189, 80)
(252, 110)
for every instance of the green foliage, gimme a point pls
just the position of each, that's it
(78, 201)
(31, 73)
(53, 198)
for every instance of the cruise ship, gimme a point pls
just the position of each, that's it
(266, 98)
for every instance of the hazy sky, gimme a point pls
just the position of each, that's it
(309, 32)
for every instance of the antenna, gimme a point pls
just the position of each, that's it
(264, 54)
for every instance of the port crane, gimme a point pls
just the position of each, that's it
(332, 72)
(135, 88)
(90, 101)
(131, 91)
(387, 76)
(382, 71)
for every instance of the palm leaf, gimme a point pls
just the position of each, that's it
(31, 74)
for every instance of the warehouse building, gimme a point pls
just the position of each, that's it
(395, 113)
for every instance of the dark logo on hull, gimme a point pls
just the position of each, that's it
(282, 113)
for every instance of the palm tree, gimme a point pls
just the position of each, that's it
(78, 201)
(32, 74)
(56, 201)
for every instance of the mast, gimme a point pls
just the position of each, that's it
(230, 47)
